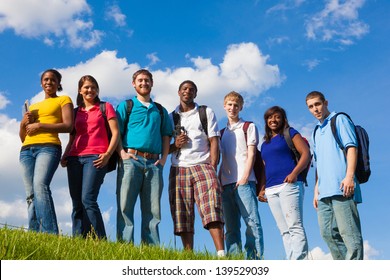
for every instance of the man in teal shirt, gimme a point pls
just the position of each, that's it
(337, 190)
(143, 149)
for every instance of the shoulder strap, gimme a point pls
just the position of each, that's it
(102, 107)
(245, 129)
(129, 108)
(290, 144)
(75, 110)
(314, 133)
(160, 109)
(203, 118)
(334, 128)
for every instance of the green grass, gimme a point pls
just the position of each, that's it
(18, 244)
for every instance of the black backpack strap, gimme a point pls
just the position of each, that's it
(203, 118)
(102, 107)
(129, 108)
(75, 110)
(176, 119)
(161, 111)
(290, 144)
(314, 133)
(334, 128)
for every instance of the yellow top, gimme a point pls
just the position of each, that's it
(47, 111)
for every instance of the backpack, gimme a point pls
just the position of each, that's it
(129, 108)
(363, 170)
(112, 162)
(202, 117)
(258, 165)
(297, 155)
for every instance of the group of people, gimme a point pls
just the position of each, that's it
(142, 133)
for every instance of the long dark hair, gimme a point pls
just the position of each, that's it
(270, 112)
(80, 100)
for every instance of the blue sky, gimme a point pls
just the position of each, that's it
(273, 52)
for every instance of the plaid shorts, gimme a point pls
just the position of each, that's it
(196, 184)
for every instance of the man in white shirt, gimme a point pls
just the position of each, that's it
(239, 181)
(193, 177)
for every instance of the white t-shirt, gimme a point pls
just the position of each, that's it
(235, 152)
(197, 150)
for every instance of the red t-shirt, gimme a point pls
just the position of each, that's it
(91, 134)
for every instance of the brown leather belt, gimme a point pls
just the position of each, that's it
(142, 154)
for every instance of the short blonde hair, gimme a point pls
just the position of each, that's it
(234, 96)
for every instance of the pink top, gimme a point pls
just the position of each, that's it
(91, 134)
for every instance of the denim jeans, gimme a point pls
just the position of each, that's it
(139, 177)
(339, 223)
(85, 181)
(242, 202)
(286, 204)
(38, 165)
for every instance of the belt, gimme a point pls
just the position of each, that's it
(142, 154)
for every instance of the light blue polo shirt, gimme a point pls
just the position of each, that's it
(144, 130)
(331, 161)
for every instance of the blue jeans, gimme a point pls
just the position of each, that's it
(339, 223)
(85, 181)
(286, 204)
(38, 164)
(242, 202)
(139, 177)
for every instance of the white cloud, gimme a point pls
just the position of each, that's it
(153, 58)
(369, 251)
(277, 40)
(243, 69)
(3, 101)
(337, 22)
(51, 21)
(318, 254)
(115, 14)
(311, 63)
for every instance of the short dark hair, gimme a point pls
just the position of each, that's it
(189, 82)
(270, 112)
(56, 74)
(315, 94)
(142, 71)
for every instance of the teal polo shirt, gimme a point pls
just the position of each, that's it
(144, 129)
(331, 161)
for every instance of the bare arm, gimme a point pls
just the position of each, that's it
(27, 119)
(105, 157)
(165, 150)
(304, 151)
(248, 165)
(64, 160)
(214, 151)
(315, 198)
(348, 183)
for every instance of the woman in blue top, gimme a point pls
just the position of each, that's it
(283, 185)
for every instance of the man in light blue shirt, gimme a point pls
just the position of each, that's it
(144, 146)
(337, 190)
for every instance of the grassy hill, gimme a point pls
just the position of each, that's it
(18, 244)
